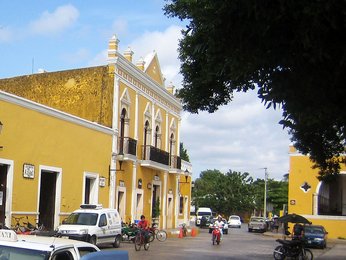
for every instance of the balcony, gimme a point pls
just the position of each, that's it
(127, 146)
(155, 158)
(175, 164)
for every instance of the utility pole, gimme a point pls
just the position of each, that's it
(265, 192)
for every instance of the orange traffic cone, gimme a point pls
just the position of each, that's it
(193, 232)
(180, 233)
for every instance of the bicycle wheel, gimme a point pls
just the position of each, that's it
(161, 235)
(146, 246)
(306, 254)
(138, 242)
(151, 236)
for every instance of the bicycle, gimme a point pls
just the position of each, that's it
(141, 239)
(33, 228)
(160, 235)
(18, 228)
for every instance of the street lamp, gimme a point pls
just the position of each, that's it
(1, 125)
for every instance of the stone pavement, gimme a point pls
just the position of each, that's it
(336, 248)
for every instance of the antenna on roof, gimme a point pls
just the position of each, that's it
(32, 65)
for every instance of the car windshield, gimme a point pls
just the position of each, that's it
(235, 218)
(14, 253)
(257, 220)
(313, 230)
(203, 213)
(89, 219)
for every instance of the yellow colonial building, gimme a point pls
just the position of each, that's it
(323, 203)
(107, 134)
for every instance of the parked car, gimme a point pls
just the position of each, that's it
(234, 221)
(93, 224)
(315, 236)
(13, 246)
(224, 228)
(257, 224)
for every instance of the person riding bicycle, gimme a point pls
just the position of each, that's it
(144, 226)
(219, 223)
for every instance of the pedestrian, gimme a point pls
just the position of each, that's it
(298, 231)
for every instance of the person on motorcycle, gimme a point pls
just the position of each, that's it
(219, 223)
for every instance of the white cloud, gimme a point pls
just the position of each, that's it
(242, 136)
(120, 25)
(50, 23)
(80, 55)
(6, 35)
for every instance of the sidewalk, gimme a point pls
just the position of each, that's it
(336, 248)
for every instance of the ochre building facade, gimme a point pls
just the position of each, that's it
(122, 150)
(322, 202)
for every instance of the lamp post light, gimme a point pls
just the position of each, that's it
(1, 125)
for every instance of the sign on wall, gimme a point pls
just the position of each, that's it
(28, 171)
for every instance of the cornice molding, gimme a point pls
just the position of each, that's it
(130, 74)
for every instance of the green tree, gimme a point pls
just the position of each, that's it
(183, 153)
(293, 52)
(277, 194)
(226, 194)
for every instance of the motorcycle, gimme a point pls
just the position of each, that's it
(292, 249)
(128, 232)
(216, 235)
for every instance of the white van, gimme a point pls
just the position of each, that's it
(206, 212)
(93, 224)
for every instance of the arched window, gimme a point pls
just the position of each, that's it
(122, 131)
(157, 137)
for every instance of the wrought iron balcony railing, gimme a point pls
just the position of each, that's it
(175, 162)
(127, 145)
(155, 154)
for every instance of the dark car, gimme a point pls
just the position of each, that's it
(315, 236)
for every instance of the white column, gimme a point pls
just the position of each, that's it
(177, 199)
(152, 124)
(178, 138)
(315, 204)
(112, 174)
(164, 201)
(167, 134)
(136, 117)
(134, 192)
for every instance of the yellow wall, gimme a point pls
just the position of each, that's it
(87, 92)
(301, 202)
(32, 137)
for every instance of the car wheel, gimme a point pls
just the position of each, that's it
(250, 230)
(116, 243)
(210, 231)
(93, 240)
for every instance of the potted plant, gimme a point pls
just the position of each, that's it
(156, 211)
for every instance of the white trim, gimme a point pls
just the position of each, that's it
(58, 182)
(94, 189)
(9, 190)
(53, 112)
(135, 72)
(325, 217)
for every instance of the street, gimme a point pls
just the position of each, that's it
(238, 244)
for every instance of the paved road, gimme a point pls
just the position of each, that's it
(238, 244)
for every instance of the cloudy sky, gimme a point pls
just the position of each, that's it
(60, 35)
